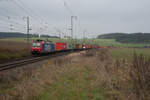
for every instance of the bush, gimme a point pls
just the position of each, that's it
(140, 77)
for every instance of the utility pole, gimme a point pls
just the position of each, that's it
(72, 17)
(28, 32)
(71, 27)
(28, 29)
(84, 33)
(59, 35)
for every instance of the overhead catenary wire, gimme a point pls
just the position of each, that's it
(4, 26)
(27, 12)
(19, 6)
(35, 14)
(9, 12)
(67, 7)
(7, 19)
(30, 10)
(10, 27)
(8, 22)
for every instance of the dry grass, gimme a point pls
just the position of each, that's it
(90, 75)
(9, 50)
(140, 76)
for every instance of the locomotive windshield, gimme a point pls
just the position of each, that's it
(36, 44)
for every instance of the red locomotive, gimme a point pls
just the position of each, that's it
(41, 47)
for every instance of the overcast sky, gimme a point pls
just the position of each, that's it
(93, 16)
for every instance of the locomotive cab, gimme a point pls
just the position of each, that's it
(36, 47)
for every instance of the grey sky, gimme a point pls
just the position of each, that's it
(94, 16)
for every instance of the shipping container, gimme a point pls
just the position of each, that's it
(69, 46)
(61, 46)
(48, 47)
(77, 46)
(95, 46)
(87, 46)
(80, 46)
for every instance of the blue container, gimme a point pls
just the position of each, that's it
(69, 46)
(145, 46)
(48, 47)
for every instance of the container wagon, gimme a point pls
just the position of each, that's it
(61, 46)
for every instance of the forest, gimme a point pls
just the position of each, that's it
(127, 38)
(22, 35)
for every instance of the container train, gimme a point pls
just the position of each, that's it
(43, 47)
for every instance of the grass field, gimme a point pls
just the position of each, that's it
(12, 49)
(127, 53)
(104, 74)
(62, 78)
(15, 47)
(101, 42)
(88, 75)
(112, 42)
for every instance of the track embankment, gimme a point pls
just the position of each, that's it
(30, 60)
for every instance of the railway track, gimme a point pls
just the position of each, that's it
(11, 65)
(14, 64)
(18, 63)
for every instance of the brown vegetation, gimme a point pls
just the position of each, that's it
(93, 72)
(140, 77)
(9, 50)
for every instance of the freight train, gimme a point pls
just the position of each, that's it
(44, 47)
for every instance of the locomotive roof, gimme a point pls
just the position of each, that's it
(41, 41)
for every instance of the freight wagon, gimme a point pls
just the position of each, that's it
(70, 46)
(77, 46)
(41, 47)
(61, 46)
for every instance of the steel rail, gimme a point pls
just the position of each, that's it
(20, 63)
(14, 64)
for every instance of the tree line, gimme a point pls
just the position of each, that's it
(127, 38)
(22, 35)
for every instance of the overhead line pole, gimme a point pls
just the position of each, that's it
(84, 33)
(72, 28)
(28, 32)
(72, 25)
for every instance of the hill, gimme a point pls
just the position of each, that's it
(110, 35)
(127, 38)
